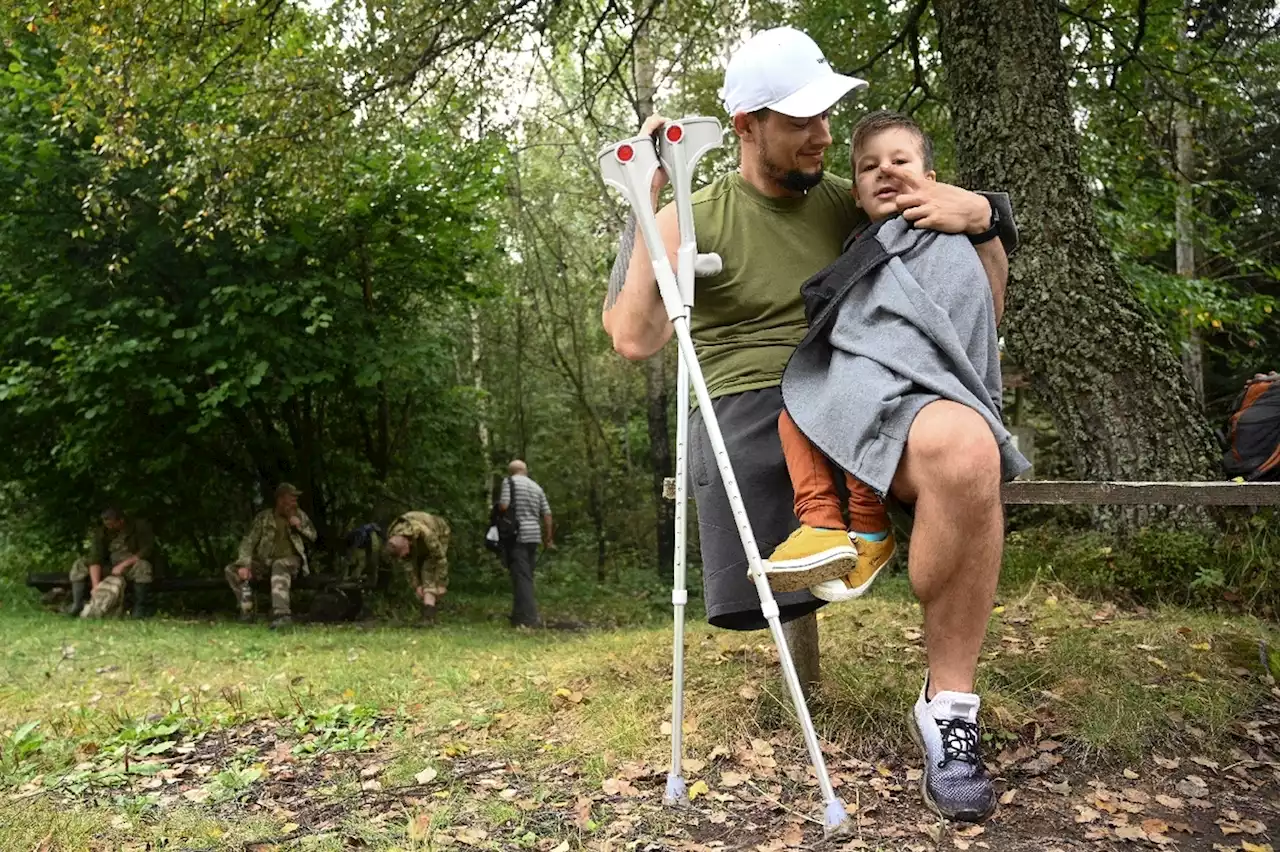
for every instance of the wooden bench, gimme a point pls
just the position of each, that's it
(1086, 493)
(802, 633)
(351, 591)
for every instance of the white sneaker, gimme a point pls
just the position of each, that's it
(955, 784)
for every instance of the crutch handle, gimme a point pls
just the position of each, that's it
(706, 265)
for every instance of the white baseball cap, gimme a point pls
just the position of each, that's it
(784, 70)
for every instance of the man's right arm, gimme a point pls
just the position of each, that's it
(634, 316)
(248, 544)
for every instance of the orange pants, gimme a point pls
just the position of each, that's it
(813, 478)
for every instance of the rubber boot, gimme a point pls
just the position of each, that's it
(79, 597)
(141, 600)
(280, 622)
(428, 615)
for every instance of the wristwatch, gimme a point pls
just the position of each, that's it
(990, 233)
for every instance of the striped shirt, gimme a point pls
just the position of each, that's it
(531, 505)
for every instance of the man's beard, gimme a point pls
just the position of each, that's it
(793, 180)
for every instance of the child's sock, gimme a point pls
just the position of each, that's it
(878, 535)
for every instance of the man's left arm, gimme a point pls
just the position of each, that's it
(144, 541)
(305, 527)
(952, 210)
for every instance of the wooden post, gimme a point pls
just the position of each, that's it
(802, 641)
(802, 633)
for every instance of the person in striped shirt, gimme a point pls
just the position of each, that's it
(521, 556)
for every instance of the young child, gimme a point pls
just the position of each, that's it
(839, 562)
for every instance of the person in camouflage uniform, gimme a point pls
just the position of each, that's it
(125, 545)
(276, 545)
(420, 542)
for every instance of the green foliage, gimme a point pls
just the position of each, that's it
(302, 325)
(343, 727)
(1237, 570)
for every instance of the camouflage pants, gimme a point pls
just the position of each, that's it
(140, 572)
(282, 572)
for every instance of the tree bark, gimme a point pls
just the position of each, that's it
(1184, 158)
(655, 369)
(1095, 356)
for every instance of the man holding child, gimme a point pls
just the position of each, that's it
(776, 221)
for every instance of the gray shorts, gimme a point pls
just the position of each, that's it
(749, 423)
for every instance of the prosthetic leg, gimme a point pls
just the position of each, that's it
(628, 166)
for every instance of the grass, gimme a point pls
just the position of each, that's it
(1112, 685)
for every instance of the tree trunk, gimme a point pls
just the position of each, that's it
(655, 371)
(482, 404)
(1096, 358)
(1184, 158)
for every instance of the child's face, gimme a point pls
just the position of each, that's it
(875, 191)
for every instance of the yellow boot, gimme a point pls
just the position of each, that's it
(809, 556)
(872, 557)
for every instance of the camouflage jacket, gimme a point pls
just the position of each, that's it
(257, 545)
(139, 538)
(428, 537)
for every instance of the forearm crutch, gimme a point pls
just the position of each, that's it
(628, 166)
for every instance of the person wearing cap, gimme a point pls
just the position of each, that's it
(776, 221)
(126, 546)
(275, 546)
(419, 541)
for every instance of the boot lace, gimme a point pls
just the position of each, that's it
(959, 742)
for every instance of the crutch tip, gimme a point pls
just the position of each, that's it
(677, 794)
(835, 822)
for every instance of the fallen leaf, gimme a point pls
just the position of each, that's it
(1008, 796)
(427, 775)
(793, 836)
(1156, 661)
(1137, 796)
(731, 779)
(1131, 775)
(693, 766)
(1086, 814)
(698, 788)
(197, 795)
(1246, 846)
(1130, 832)
(748, 693)
(1170, 802)
(718, 817)
(1206, 763)
(1168, 764)
(761, 748)
(1193, 786)
(1252, 826)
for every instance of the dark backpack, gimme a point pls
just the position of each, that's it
(506, 522)
(1253, 432)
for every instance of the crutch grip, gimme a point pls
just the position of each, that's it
(706, 265)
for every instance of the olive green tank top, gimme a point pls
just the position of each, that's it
(748, 319)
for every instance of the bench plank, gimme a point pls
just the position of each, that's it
(1065, 492)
